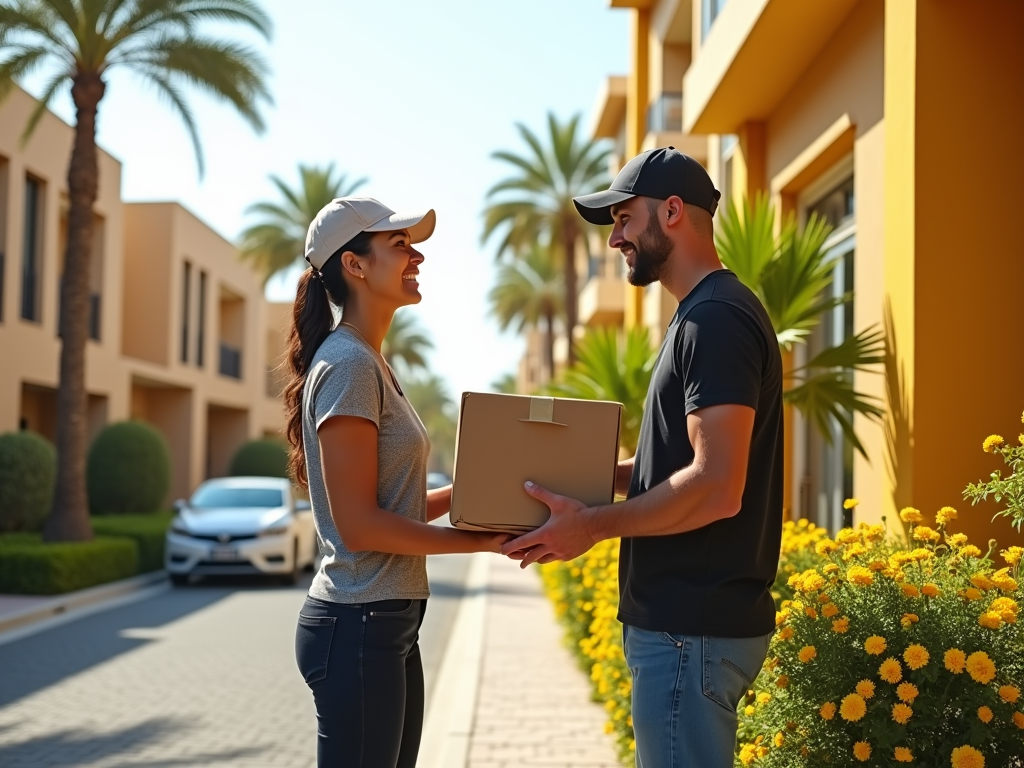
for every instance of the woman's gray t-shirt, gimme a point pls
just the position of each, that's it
(348, 378)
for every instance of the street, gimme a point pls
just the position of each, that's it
(196, 676)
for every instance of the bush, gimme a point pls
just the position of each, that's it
(28, 466)
(149, 532)
(260, 458)
(30, 567)
(129, 469)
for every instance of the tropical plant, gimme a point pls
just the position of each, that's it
(277, 240)
(612, 366)
(535, 204)
(81, 41)
(791, 274)
(406, 343)
(529, 292)
(436, 409)
(1008, 491)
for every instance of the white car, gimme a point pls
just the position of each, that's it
(241, 525)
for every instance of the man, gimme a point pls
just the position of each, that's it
(702, 522)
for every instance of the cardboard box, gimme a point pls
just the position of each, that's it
(568, 446)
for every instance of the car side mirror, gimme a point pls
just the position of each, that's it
(179, 505)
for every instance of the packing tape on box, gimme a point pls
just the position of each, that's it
(542, 410)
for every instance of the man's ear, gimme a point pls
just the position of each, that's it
(673, 211)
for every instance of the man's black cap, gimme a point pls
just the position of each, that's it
(658, 173)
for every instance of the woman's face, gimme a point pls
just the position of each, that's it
(392, 270)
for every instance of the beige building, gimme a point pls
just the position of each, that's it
(859, 110)
(180, 334)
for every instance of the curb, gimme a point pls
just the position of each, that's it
(75, 604)
(452, 708)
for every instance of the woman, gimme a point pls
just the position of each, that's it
(360, 449)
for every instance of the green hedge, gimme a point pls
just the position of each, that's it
(28, 566)
(28, 466)
(260, 458)
(147, 531)
(129, 469)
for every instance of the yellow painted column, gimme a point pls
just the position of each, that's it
(637, 97)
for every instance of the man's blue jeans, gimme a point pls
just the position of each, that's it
(685, 692)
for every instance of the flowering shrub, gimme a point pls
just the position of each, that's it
(1006, 490)
(887, 654)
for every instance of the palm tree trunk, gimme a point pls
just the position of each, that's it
(569, 236)
(549, 343)
(69, 516)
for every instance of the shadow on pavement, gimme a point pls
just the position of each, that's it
(40, 660)
(454, 589)
(77, 747)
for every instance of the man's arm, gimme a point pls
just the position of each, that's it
(709, 489)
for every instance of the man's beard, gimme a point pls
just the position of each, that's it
(652, 249)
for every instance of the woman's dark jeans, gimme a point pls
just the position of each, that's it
(362, 662)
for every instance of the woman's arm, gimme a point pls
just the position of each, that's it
(348, 454)
(623, 475)
(439, 502)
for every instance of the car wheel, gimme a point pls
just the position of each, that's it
(179, 579)
(293, 576)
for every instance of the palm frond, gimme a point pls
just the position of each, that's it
(829, 395)
(859, 352)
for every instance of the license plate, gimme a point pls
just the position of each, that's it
(224, 553)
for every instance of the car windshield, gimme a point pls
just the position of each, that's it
(219, 497)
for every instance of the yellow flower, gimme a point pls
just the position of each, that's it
(780, 739)
(980, 667)
(1002, 580)
(830, 568)
(749, 710)
(903, 755)
(875, 645)
(967, 757)
(970, 551)
(830, 610)
(764, 698)
(1018, 719)
(991, 443)
(859, 575)
(985, 714)
(972, 594)
(811, 613)
(847, 536)
(748, 754)
(955, 660)
(924, 533)
(841, 625)
(807, 653)
(1005, 607)
(901, 713)
(910, 590)
(825, 547)
(862, 751)
(1009, 693)
(909, 619)
(944, 515)
(1013, 555)
(891, 670)
(854, 550)
(850, 503)
(853, 707)
(782, 681)
(866, 689)
(907, 692)
(931, 590)
(785, 633)
(824, 598)
(828, 710)
(991, 620)
(981, 581)
(910, 515)
(916, 656)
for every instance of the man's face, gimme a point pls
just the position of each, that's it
(638, 234)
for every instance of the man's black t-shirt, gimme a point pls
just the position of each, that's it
(719, 349)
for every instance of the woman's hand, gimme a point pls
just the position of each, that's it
(491, 542)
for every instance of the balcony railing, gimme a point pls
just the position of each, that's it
(230, 361)
(665, 113)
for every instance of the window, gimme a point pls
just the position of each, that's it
(3, 233)
(709, 10)
(31, 268)
(837, 206)
(201, 331)
(728, 151)
(185, 309)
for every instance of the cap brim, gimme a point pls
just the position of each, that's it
(596, 208)
(420, 225)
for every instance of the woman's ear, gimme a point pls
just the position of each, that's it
(351, 264)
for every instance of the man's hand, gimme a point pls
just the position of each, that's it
(563, 537)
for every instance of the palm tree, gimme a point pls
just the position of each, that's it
(81, 41)
(791, 274)
(277, 240)
(505, 384)
(612, 366)
(436, 409)
(406, 343)
(535, 204)
(529, 290)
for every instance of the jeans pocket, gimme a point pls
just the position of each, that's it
(313, 638)
(730, 666)
(390, 609)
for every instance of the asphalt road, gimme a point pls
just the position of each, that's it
(197, 676)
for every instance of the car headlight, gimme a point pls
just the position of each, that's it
(179, 528)
(277, 530)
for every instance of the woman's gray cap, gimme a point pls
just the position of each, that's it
(345, 217)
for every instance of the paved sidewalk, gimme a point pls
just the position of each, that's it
(533, 704)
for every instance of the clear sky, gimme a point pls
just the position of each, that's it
(414, 94)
